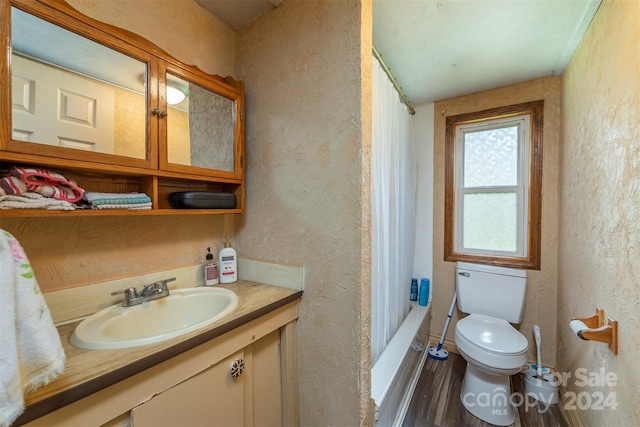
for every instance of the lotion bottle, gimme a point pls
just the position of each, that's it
(228, 262)
(423, 299)
(210, 270)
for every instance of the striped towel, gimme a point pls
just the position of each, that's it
(12, 185)
(45, 182)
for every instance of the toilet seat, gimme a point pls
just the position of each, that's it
(492, 334)
(491, 342)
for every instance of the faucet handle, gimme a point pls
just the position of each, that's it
(161, 285)
(129, 293)
(165, 281)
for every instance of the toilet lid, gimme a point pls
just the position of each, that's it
(493, 334)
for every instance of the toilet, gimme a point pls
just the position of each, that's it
(494, 350)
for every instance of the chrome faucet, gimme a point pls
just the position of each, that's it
(148, 292)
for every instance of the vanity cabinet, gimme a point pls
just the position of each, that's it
(215, 397)
(210, 398)
(95, 103)
(197, 388)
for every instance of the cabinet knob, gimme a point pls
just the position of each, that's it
(236, 368)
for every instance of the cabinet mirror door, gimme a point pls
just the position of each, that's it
(73, 97)
(202, 128)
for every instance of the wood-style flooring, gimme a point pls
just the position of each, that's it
(436, 400)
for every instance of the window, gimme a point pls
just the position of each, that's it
(493, 186)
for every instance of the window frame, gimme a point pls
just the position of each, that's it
(532, 201)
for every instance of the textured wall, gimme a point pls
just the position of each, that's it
(599, 262)
(308, 140)
(541, 297)
(69, 252)
(129, 128)
(182, 28)
(178, 143)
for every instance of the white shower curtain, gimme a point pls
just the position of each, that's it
(393, 181)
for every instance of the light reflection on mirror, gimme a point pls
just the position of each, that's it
(72, 92)
(176, 93)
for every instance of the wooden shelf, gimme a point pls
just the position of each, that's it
(36, 213)
(156, 184)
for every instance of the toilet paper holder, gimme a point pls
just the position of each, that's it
(596, 330)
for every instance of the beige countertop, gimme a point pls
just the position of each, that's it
(88, 371)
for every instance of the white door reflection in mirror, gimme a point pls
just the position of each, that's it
(55, 107)
(72, 92)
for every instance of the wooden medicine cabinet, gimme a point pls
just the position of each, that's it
(113, 112)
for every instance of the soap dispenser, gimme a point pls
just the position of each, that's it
(210, 270)
(228, 263)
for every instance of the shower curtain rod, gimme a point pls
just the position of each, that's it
(394, 81)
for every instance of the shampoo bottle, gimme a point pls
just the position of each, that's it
(414, 290)
(228, 263)
(210, 270)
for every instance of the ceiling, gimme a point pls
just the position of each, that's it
(238, 13)
(439, 49)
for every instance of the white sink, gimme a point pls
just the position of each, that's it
(183, 311)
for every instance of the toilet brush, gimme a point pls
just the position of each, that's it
(542, 372)
(440, 353)
(537, 382)
(536, 334)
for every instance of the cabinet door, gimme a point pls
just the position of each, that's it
(267, 381)
(210, 398)
(202, 131)
(76, 93)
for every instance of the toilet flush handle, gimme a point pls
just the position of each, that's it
(464, 273)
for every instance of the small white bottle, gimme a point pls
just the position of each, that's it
(228, 263)
(210, 270)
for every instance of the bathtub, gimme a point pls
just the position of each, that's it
(396, 372)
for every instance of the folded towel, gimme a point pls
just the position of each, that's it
(31, 354)
(48, 183)
(31, 200)
(129, 206)
(132, 200)
(90, 196)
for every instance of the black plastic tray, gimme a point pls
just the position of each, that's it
(202, 200)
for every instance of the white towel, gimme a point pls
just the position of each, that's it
(31, 200)
(31, 354)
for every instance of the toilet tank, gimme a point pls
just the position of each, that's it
(492, 291)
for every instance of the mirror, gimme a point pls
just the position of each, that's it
(201, 127)
(72, 92)
(69, 91)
